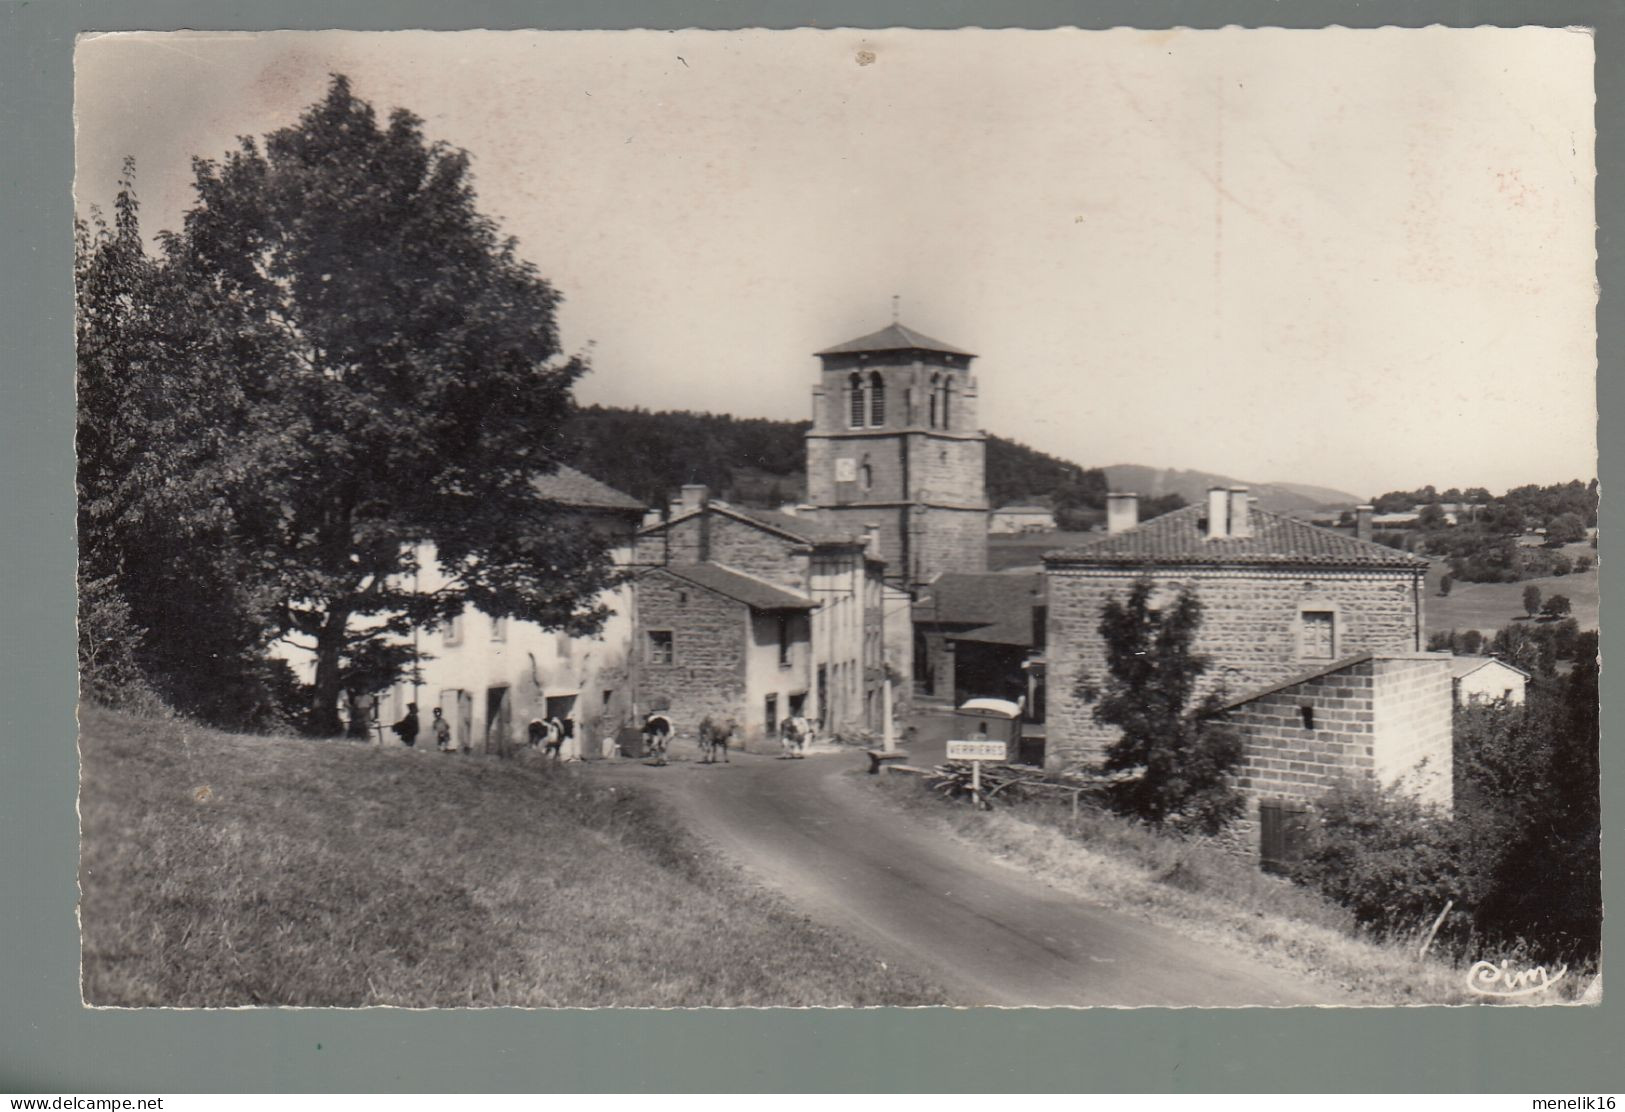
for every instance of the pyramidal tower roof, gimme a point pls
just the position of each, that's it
(894, 337)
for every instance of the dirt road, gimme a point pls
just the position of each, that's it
(988, 932)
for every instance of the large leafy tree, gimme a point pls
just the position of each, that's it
(385, 380)
(165, 609)
(1175, 745)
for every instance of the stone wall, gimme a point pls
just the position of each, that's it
(951, 540)
(1250, 627)
(1414, 724)
(730, 542)
(1373, 720)
(1288, 758)
(948, 469)
(710, 635)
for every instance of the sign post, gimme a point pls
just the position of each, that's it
(976, 752)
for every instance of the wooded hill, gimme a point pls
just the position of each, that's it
(756, 461)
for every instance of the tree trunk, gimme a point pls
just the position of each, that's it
(324, 705)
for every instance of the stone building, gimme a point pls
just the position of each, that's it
(820, 594)
(714, 641)
(1279, 597)
(895, 444)
(1315, 638)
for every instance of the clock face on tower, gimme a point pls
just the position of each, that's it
(846, 470)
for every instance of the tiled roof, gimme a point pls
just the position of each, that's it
(894, 337)
(994, 608)
(755, 593)
(1180, 538)
(807, 529)
(570, 487)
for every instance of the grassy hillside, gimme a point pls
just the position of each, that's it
(1489, 606)
(221, 870)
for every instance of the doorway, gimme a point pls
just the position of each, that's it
(498, 721)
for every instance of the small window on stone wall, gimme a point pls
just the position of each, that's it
(1318, 634)
(660, 646)
(1306, 714)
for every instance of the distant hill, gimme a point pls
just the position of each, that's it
(1193, 487)
(756, 461)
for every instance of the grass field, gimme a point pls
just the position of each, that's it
(1489, 606)
(221, 870)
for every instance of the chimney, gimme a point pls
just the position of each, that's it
(694, 496)
(1122, 512)
(1362, 521)
(674, 507)
(871, 540)
(651, 518)
(1241, 522)
(1218, 513)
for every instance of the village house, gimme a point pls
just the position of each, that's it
(1314, 638)
(491, 676)
(757, 615)
(1484, 679)
(1021, 519)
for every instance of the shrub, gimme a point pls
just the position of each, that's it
(1177, 747)
(1391, 860)
(108, 640)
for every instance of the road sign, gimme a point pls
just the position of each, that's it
(977, 751)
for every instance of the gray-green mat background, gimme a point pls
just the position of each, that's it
(49, 1043)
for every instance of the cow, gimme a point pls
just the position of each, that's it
(714, 735)
(794, 734)
(656, 734)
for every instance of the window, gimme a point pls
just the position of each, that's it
(877, 399)
(771, 713)
(947, 394)
(855, 386)
(499, 629)
(1318, 634)
(452, 632)
(660, 647)
(1306, 715)
(867, 476)
(784, 640)
(936, 387)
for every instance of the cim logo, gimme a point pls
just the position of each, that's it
(1488, 979)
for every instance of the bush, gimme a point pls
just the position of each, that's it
(1390, 859)
(108, 640)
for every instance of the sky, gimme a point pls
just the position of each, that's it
(1357, 259)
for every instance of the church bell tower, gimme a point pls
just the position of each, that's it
(895, 443)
